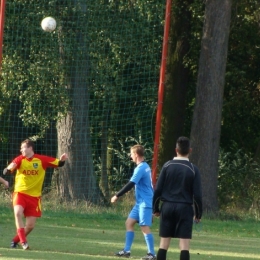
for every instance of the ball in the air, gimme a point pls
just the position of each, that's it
(48, 24)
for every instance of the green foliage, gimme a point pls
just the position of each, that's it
(241, 93)
(124, 54)
(123, 41)
(238, 182)
(33, 72)
(241, 108)
(108, 51)
(123, 170)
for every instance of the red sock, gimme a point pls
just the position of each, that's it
(21, 234)
(16, 239)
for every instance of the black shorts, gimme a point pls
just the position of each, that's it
(176, 220)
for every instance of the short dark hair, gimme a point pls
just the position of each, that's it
(183, 145)
(29, 143)
(139, 149)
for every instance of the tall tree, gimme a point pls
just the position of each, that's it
(206, 123)
(241, 95)
(76, 179)
(176, 79)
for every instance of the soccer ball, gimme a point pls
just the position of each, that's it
(48, 24)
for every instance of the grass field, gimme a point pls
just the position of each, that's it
(99, 235)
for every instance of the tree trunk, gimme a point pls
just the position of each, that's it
(206, 123)
(49, 147)
(77, 180)
(176, 82)
(257, 154)
(103, 184)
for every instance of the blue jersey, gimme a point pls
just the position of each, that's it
(143, 184)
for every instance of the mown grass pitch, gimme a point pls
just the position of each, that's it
(63, 235)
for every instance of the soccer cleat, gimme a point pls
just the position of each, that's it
(25, 246)
(123, 253)
(14, 244)
(149, 256)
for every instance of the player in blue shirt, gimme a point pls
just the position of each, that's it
(142, 210)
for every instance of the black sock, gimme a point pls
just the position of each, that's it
(185, 255)
(161, 254)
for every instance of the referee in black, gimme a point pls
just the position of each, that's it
(179, 189)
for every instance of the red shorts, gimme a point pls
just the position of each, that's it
(31, 205)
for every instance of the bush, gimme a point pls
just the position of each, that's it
(239, 182)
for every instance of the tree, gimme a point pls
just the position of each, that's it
(206, 122)
(123, 89)
(94, 78)
(176, 80)
(241, 110)
(76, 180)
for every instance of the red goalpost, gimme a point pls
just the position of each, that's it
(161, 91)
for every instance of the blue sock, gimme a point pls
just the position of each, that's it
(150, 243)
(129, 238)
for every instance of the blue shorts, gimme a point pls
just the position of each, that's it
(143, 215)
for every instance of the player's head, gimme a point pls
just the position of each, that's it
(138, 149)
(183, 146)
(136, 152)
(27, 148)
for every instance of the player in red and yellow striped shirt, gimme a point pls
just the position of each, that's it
(30, 172)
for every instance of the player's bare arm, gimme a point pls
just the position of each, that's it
(64, 157)
(4, 182)
(11, 167)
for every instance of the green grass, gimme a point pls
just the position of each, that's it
(60, 235)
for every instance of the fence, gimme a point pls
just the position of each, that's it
(89, 88)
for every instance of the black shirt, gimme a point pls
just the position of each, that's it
(180, 182)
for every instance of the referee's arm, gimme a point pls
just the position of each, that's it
(197, 195)
(158, 191)
(156, 201)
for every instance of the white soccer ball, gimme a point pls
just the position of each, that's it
(48, 24)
